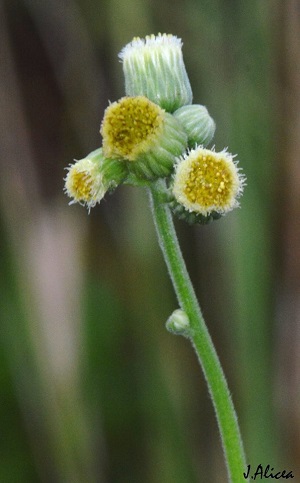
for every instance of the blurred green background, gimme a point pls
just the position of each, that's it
(92, 386)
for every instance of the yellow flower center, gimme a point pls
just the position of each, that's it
(210, 182)
(130, 127)
(81, 181)
(78, 185)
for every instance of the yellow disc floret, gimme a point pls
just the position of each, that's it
(131, 127)
(84, 184)
(206, 182)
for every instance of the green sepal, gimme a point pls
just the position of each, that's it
(191, 217)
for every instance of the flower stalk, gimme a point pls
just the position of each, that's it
(199, 335)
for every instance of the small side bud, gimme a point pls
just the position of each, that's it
(90, 178)
(178, 323)
(197, 123)
(154, 67)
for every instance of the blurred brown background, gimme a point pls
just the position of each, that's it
(92, 386)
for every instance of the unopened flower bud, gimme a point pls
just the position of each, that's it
(154, 67)
(178, 323)
(197, 123)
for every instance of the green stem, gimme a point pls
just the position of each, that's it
(199, 335)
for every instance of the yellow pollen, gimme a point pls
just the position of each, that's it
(130, 127)
(210, 182)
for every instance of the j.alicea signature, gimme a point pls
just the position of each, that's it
(266, 472)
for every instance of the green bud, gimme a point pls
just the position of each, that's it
(154, 67)
(178, 323)
(197, 123)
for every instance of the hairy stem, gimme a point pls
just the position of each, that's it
(199, 336)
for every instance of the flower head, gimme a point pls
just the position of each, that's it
(206, 182)
(154, 67)
(90, 178)
(137, 130)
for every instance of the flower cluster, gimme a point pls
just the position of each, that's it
(156, 132)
